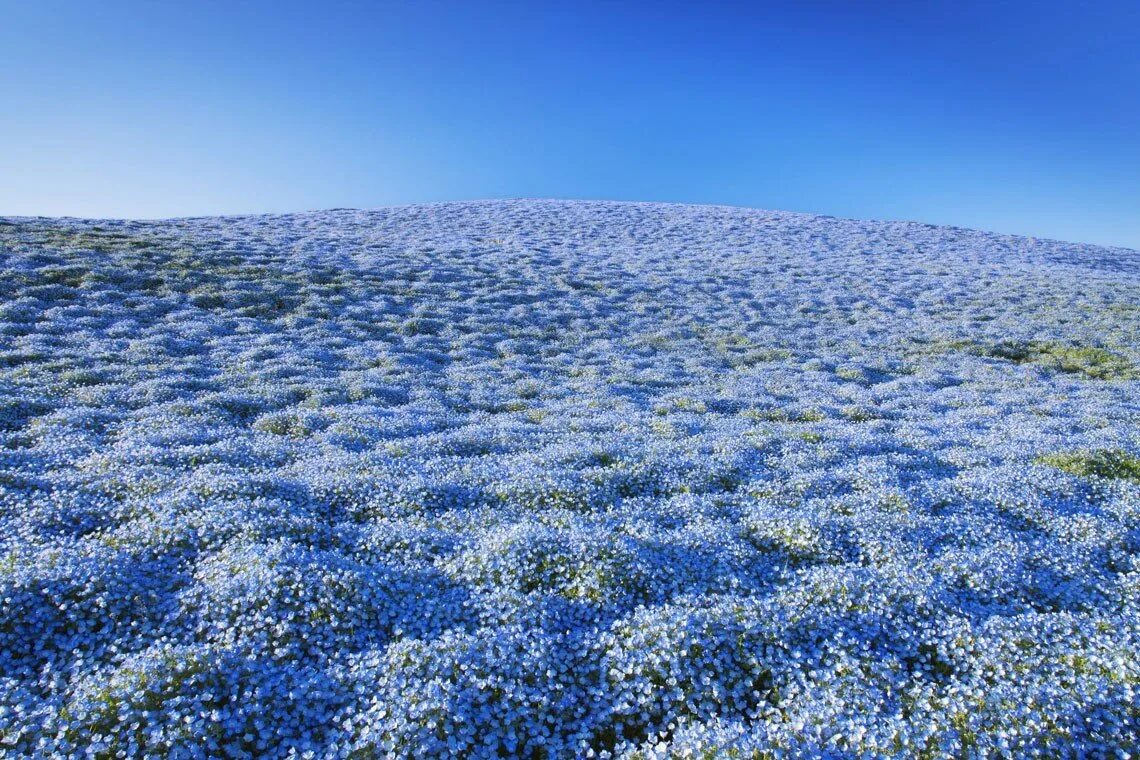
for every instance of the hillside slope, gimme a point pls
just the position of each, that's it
(539, 478)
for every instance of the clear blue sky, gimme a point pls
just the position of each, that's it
(1017, 117)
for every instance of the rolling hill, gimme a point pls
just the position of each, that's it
(544, 479)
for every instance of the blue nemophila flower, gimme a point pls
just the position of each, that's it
(559, 480)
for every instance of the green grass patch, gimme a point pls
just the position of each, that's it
(1091, 362)
(1114, 464)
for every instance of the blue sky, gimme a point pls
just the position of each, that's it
(1016, 117)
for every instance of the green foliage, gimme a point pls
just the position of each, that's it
(1088, 361)
(1102, 463)
(859, 414)
(1091, 362)
(284, 424)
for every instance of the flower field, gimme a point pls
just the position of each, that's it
(566, 479)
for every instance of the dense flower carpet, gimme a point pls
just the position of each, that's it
(565, 479)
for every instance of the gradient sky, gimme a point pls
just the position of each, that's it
(1016, 117)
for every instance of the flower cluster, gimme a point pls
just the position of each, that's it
(557, 480)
